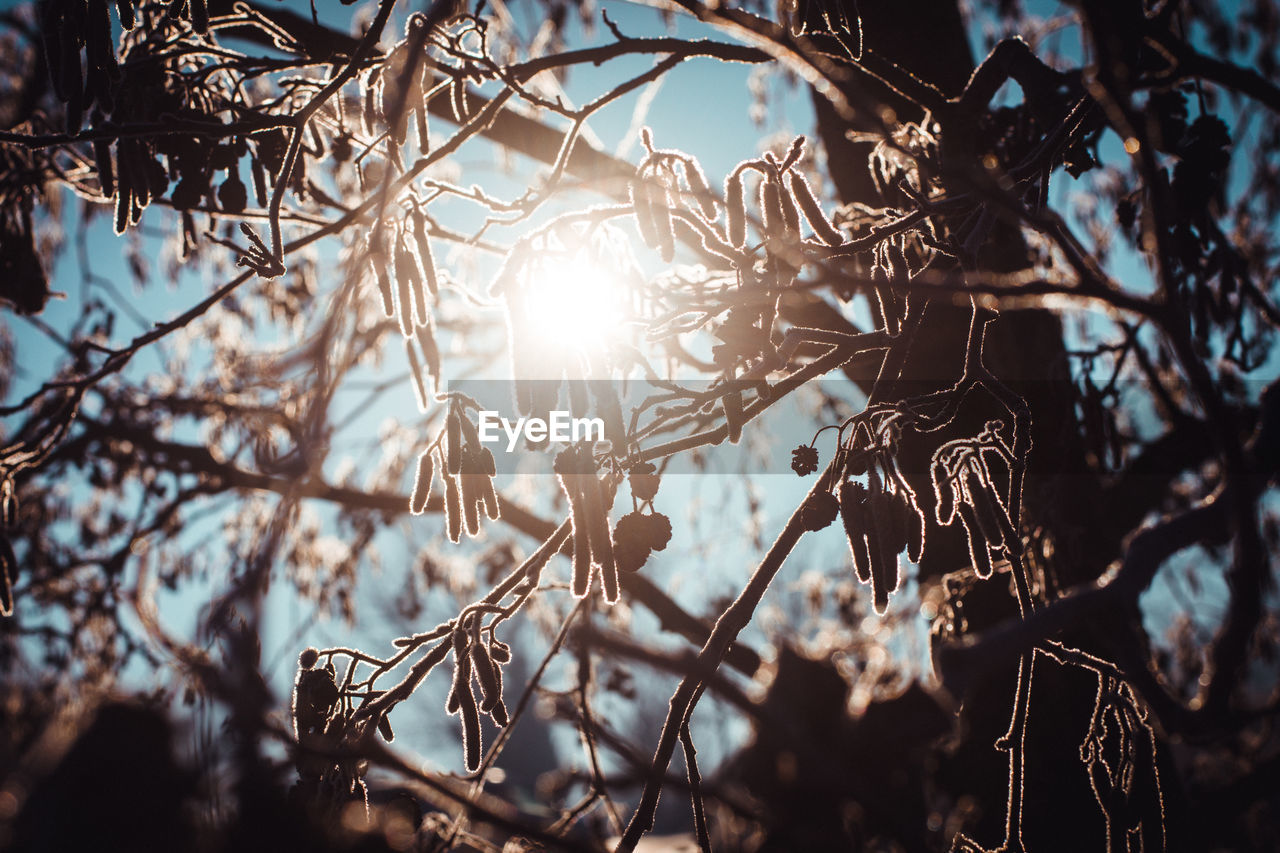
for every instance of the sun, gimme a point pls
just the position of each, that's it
(575, 302)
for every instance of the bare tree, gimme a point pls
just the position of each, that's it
(1022, 305)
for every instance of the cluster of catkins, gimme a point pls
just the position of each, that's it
(479, 662)
(596, 549)
(881, 517)
(666, 176)
(589, 503)
(965, 489)
(67, 26)
(322, 723)
(404, 268)
(467, 468)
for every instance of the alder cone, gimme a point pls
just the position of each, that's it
(819, 511)
(644, 481)
(636, 536)
(232, 195)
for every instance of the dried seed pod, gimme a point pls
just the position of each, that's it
(853, 517)
(422, 483)
(642, 203)
(735, 210)
(499, 651)
(452, 508)
(499, 715)
(812, 210)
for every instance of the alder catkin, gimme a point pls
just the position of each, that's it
(913, 520)
(384, 729)
(852, 516)
(430, 351)
(733, 415)
(663, 226)
(461, 672)
(490, 497)
(471, 743)
(736, 210)
(978, 551)
(384, 288)
(486, 675)
(124, 8)
(471, 500)
(812, 210)
(452, 508)
(106, 175)
(700, 187)
(124, 198)
(415, 374)
(453, 441)
(771, 209)
(598, 535)
(581, 541)
(884, 565)
(421, 235)
(410, 269)
(984, 509)
(422, 483)
(405, 294)
(199, 16)
(790, 215)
